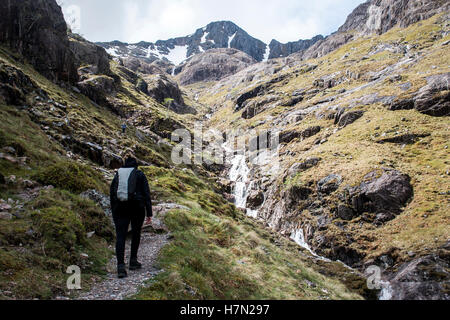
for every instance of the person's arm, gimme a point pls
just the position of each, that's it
(147, 197)
(113, 192)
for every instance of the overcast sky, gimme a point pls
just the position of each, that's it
(150, 20)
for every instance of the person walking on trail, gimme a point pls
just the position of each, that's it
(124, 127)
(130, 203)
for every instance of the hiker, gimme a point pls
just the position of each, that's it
(124, 128)
(130, 200)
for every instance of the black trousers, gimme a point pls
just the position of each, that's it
(123, 215)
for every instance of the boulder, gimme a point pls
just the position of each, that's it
(345, 213)
(161, 88)
(349, 117)
(303, 166)
(97, 88)
(384, 193)
(434, 98)
(255, 199)
(329, 184)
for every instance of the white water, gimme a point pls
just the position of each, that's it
(386, 291)
(239, 174)
(299, 237)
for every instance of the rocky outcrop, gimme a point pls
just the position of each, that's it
(432, 99)
(349, 117)
(288, 136)
(14, 85)
(424, 278)
(278, 49)
(37, 30)
(167, 92)
(376, 16)
(213, 65)
(90, 58)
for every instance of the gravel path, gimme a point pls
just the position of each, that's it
(113, 288)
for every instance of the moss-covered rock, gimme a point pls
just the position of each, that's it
(70, 176)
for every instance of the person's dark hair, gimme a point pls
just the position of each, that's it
(131, 162)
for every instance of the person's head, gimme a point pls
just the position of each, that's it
(130, 160)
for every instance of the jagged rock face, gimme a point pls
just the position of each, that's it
(14, 85)
(92, 58)
(376, 16)
(278, 49)
(213, 65)
(37, 30)
(380, 16)
(161, 87)
(424, 278)
(143, 66)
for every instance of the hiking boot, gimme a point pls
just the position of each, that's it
(121, 271)
(135, 265)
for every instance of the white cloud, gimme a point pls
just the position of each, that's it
(151, 20)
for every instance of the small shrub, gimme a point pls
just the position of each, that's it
(70, 176)
(61, 231)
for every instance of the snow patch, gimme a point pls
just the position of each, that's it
(177, 55)
(266, 54)
(230, 39)
(113, 51)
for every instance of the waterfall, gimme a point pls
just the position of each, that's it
(299, 237)
(239, 174)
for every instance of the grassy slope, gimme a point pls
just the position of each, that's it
(218, 253)
(353, 151)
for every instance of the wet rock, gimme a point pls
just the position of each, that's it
(255, 199)
(295, 194)
(349, 117)
(329, 184)
(349, 256)
(424, 278)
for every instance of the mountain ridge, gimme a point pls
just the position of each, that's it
(217, 34)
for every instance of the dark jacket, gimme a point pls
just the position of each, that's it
(142, 199)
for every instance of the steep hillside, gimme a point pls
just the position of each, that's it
(60, 142)
(364, 162)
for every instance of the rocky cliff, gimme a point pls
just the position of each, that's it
(377, 16)
(278, 49)
(37, 30)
